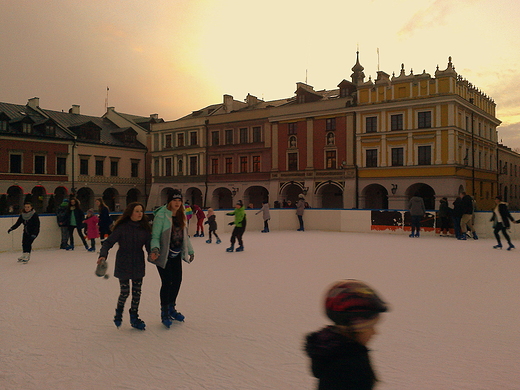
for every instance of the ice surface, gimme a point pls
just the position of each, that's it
(453, 324)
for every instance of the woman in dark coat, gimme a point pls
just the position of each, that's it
(75, 218)
(31, 228)
(500, 218)
(105, 220)
(132, 232)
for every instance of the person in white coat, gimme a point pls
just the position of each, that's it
(266, 215)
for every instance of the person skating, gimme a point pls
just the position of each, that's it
(339, 354)
(61, 217)
(466, 220)
(132, 232)
(170, 246)
(92, 230)
(265, 215)
(75, 218)
(500, 218)
(199, 214)
(300, 209)
(31, 228)
(240, 227)
(105, 220)
(417, 210)
(212, 226)
(444, 216)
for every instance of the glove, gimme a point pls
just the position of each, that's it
(191, 258)
(231, 223)
(9, 231)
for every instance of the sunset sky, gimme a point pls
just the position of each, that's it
(172, 57)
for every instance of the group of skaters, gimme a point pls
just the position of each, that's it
(462, 218)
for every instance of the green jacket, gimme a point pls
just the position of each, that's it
(240, 216)
(161, 235)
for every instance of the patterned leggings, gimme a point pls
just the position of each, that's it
(124, 284)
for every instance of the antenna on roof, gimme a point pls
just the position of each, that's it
(305, 76)
(378, 59)
(106, 101)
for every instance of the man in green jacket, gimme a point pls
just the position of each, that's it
(240, 227)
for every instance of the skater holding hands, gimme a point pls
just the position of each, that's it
(240, 226)
(31, 228)
(212, 225)
(338, 352)
(266, 215)
(132, 232)
(170, 246)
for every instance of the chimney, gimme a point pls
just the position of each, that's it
(228, 103)
(251, 100)
(154, 116)
(74, 109)
(34, 102)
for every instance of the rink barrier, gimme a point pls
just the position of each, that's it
(342, 220)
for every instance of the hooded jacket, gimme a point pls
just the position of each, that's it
(505, 216)
(339, 362)
(161, 236)
(240, 216)
(416, 206)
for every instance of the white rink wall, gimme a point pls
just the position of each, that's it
(281, 219)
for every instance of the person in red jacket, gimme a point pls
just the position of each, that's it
(200, 220)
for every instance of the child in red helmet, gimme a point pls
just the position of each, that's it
(338, 352)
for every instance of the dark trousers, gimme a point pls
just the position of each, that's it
(456, 226)
(416, 223)
(499, 227)
(213, 232)
(171, 279)
(266, 225)
(64, 236)
(300, 219)
(71, 235)
(124, 285)
(27, 241)
(445, 224)
(237, 235)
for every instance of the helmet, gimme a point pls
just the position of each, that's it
(353, 303)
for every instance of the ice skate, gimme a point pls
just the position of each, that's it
(240, 248)
(165, 317)
(118, 317)
(196, 234)
(511, 246)
(135, 321)
(231, 248)
(475, 237)
(498, 246)
(70, 248)
(201, 234)
(174, 314)
(218, 241)
(208, 241)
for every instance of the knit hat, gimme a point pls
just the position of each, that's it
(301, 196)
(353, 303)
(174, 194)
(240, 203)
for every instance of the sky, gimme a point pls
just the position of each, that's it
(172, 57)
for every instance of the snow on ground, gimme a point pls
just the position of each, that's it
(454, 322)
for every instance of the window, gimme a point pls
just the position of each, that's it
(330, 124)
(291, 127)
(229, 137)
(134, 169)
(99, 168)
(243, 135)
(114, 168)
(292, 162)
(193, 138)
(15, 163)
(26, 128)
(397, 157)
(257, 134)
(215, 138)
(193, 166)
(256, 163)
(50, 130)
(39, 165)
(371, 158)
(83, 166)
(424, 119)
(61, 166)
(3, 125)
(168, 141)
(180, 140)
(167, 166)
(371, 124)
(156, 142)
(425, 155)
(396, 122)
(156, 167)
(214, 166)
(229, 165)
(243, 164)
(330, 159)
(180, 167)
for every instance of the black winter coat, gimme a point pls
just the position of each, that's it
(130, 260)
(339, 362)
(467, 204)
(31, 227)
(505, 214)
(212, 222)
(80, 216)
(104, 219)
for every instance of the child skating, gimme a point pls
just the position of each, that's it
(91, 229)
(240, 227)
(132, 232)
(212, 226)
(266, 215)
(199, 214)
(338, 352)
(31, 228)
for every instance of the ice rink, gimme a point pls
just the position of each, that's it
(454, 321)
